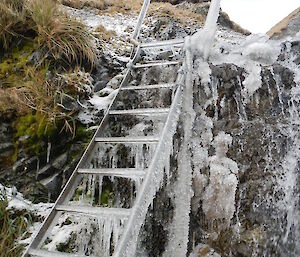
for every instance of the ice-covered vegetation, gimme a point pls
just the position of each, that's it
(19, 218)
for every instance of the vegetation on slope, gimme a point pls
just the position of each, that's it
(37, 42)
(157, 9)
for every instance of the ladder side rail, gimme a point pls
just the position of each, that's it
(68, 189)
(149, 188)
(141, 18)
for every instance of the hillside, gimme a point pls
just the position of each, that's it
(289, 26)
(191, 131)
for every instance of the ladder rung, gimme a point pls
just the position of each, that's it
(146, 65)
(114, 172)
(132, 140)
(172, 42)
(141, 87)
(148, 111)
(44, 253)
(97, 211)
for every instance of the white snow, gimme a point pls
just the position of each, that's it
(203, 70)
(102, 103)
(121, 24)
(97, 103)
(250, 53)
(60, 234)
(252, 81)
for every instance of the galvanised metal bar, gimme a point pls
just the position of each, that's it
(141, 18)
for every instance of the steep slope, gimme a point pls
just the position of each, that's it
(289, 26)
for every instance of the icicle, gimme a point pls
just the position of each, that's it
(139, 156)
(179, 233)
(48, 152)
(279, 91)
(100, 181)
(252, 81)
(215, 96)
(116, 231)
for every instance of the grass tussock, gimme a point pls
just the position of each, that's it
(38, 94)
(79, 4)
(41, 95)
(63, 37)
(14, 21)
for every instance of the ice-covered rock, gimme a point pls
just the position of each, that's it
(219, 196)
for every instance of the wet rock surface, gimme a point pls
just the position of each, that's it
(261, 144)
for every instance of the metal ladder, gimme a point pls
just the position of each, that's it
(150, 177)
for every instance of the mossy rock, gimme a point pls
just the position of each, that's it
(14, 64)
(33, 131)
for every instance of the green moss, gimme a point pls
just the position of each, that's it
(34, 130)
(78, 193)
(64, 247)
(67, 222)
(83, 134)
(107, 196)
(13, 67)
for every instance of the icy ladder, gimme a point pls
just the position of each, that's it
(139, 175)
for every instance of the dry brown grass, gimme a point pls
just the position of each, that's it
(10, 101)
(180, 14)
(13, 19)
(104, 34)
(106, 6)
(79, 4)
(38, 94)
(63, 36)
(41, 95)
